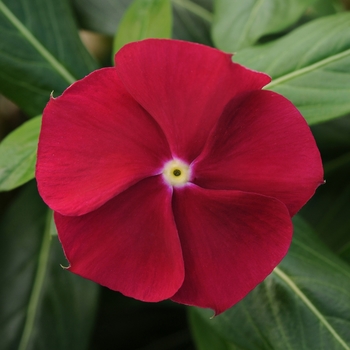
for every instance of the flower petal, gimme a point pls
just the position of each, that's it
(184, 86)
(130, 244)
(95, 142)
(262, 144)
(231, 241)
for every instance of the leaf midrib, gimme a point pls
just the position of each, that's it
(249, 21)
(25, 163)
(55, 64)
(310, 306)
(308, 69)
(37, 286)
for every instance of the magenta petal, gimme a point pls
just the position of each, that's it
(184, 86)
(130, 244)
(231, 241)
(95, 142)
(262, 144)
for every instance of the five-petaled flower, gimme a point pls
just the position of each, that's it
(173, 175)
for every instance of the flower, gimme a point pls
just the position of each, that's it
(173, 175)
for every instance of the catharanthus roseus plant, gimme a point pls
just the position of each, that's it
(173, 175)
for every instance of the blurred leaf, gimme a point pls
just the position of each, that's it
(322, 8)
(328, 211)
(303, 304)
(332, 137)
(144, 19)
(18, 155)
(204, 335)
(40, 51)
(42, 306)
(310, 66)
(238, 24)
(101, 16)
(192, 20)
(53, 228)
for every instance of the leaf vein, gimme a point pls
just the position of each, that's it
(311, 306)
(36, 44)
(308, 69)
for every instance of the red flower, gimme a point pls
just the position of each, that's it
(173, 175)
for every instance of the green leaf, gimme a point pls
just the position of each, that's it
(40, 51)
(310, 66)
(328, 211)
(238, 24)
(323, 8)
(205, 337)
(192, 20)
(303, 304)
(53, 228)
(332, 137)
(101, 16)
(144, 19)
(42, 306)
(18, 155)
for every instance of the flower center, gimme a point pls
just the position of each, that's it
(176, 172)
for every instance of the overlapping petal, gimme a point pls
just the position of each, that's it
(184, 86)
(247, 158)
(231, 241)
(130, 244)
(262, 144)
(95, 142)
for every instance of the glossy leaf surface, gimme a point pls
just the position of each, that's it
(18, 155)
(40, 51)
(315, 74)
(238, 24)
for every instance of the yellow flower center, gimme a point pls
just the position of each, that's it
(176, 172)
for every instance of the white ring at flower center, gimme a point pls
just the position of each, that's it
(176, 172)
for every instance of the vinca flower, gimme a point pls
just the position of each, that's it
(173, 175)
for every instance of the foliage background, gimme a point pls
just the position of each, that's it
(304, 45)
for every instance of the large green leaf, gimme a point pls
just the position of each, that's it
(144, 19)
(102, 16)
(42, 306)
(310, 66)
(192, 20)
(18, 155)
(238, 24)
(40, 51)
(303, 304)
